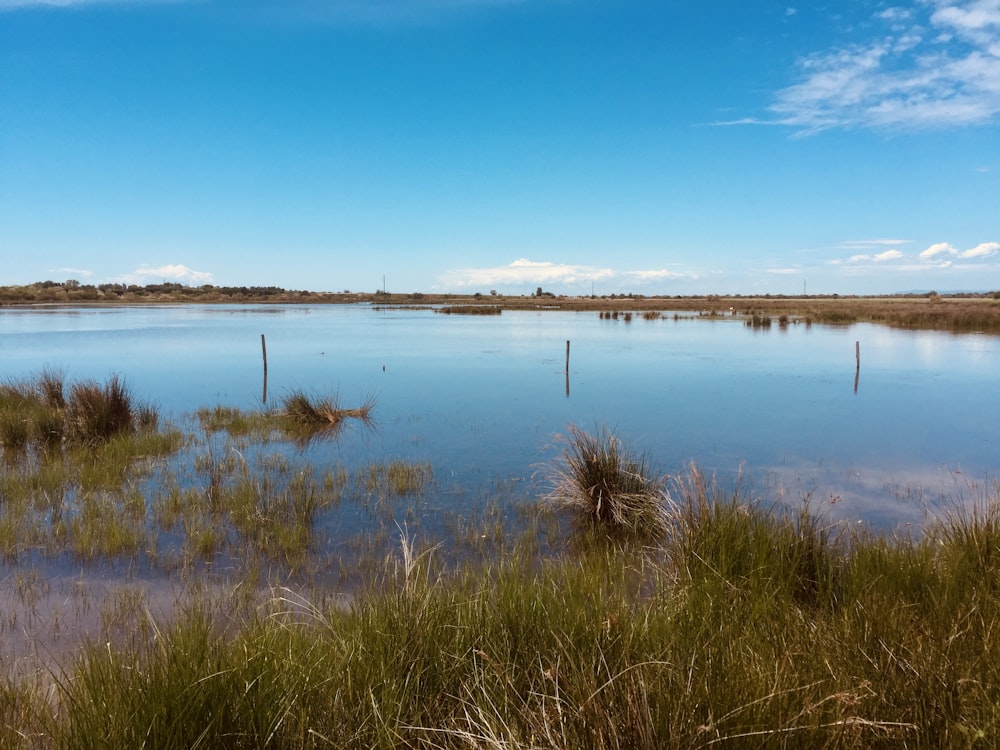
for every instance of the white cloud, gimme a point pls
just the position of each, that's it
(365, 11)
(895, 15)
(936, 65)
(13, 4)
(877, 258)
(653, 275)
(937, 249)
(72, 272)
(175, 273)
(524, 272)
(983, 250)
(873, 243)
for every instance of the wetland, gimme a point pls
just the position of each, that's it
(397, 465)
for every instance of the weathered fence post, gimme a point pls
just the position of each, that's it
(263, 349)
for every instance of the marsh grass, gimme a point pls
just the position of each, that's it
(396, 478)
(305, 417)
(35, 414)
(234, 421)
(609, 484)
(675, 645)
(469, 310)
(702, 617)
(95, 413)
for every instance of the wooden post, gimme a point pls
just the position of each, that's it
(857, 354)
(567, 355)
(263, 348)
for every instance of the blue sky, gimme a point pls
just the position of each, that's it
(613, 146)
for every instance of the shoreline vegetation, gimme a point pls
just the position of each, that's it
(622, 609)
(961, 312)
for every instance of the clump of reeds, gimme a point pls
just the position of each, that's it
(307, 411)
(758, 321)
(37, 413)
(50, 386)
(609, 484)
(470, 310)
(95, 413)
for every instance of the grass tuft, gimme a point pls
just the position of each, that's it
(96, 413)
(610, 485)
(303, 410)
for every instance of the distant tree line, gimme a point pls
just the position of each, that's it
(72, 290)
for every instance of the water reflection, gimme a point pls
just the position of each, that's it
(472, 395)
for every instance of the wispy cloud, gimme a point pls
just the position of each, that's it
(72, 272)
(983, 250)
(938, 248)
(351, 11)
(14, 4)
(938, 255)
(868, 244)
(876, 258)
(176, 273)
(524, 272)
(933, 65)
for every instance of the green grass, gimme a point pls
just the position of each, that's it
(36, 415)
(609, 646)
(622, 610)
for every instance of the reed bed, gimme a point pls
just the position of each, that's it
(659, 612)
(745, 628)
(933, 312)
(469, 310)
(36, 414)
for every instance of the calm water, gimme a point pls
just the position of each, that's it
(485, 398)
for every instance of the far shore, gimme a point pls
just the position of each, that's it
(970, 312)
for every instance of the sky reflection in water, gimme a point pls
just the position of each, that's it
(484, 398)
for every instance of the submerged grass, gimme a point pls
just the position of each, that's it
(704, 641)
(469, 310)
(699, 617)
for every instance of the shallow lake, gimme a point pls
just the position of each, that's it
(486, 398)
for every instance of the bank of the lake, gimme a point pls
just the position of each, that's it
(961, 312)
(740, 628)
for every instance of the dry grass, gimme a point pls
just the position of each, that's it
(304, 410)
(610, 485)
